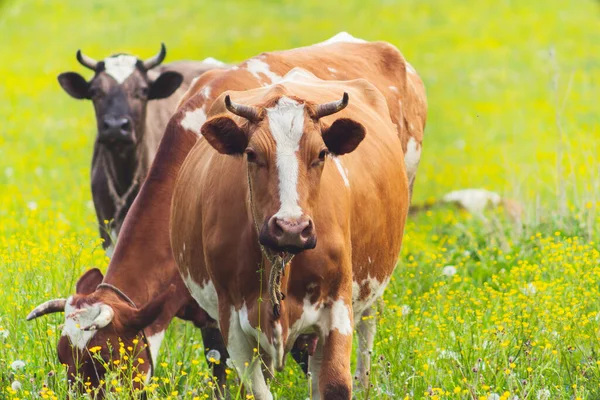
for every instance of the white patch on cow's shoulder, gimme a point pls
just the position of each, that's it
(286, 120)
(326, 319)
(257, 67)
(340, 317)
(75, 319)
(120, 67)
(340, 168)
(332, 70)
(473, 200)
(412, 157)
(342, 37)
(205, 295)
(154, 342)
(393, 89)
(193, 120)
(213, 61)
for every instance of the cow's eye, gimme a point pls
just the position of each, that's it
(251, 156)
(323, 154)
(141, 93)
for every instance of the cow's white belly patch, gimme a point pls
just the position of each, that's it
(204, 294)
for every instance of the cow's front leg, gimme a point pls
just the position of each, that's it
(335, 379)
(366, 329)
(241, 351)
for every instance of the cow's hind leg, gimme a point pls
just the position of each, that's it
(365, 329)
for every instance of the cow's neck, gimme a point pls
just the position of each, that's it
(124, 170)
(142, 263)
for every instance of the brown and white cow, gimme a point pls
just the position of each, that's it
(133, 101)
(135, 301)
(144, 243)
(295, 171)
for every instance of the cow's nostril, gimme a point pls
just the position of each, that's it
(308, 230)
(125, 125)
(105, 125)
(276, 228)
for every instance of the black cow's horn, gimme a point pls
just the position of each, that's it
(326, 109)
(157, 59)
(49, 307)
(248, 112)
(86, 61)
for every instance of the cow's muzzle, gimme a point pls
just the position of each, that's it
(113, 130)
(291, 235)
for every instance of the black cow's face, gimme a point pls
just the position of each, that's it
(120, 91)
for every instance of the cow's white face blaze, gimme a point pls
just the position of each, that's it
(285, 145)
(286, 123)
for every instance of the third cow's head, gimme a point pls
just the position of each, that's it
(285, 143)
(120, 90)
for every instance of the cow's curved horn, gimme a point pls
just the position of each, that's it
(86, 61)
(105, 316)
(49, 307)
(157, 59)
(248, 112)
(326, 109)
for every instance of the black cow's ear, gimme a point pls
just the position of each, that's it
(89, 281)
(74, 84)
(343, 136)
(165, 85)
(225, 135)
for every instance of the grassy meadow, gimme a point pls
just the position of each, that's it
(478, 308)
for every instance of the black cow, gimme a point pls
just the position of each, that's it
(133, 101)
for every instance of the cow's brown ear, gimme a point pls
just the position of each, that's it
(146, 315)
(343, 136)
(75, 85)
(89, 281)
(225, 135)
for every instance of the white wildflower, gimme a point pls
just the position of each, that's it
(16, 386)
(494, 396)
(406, 309)
(529, 290)
(17, 364)
(4, 333)
(214, 355)
(32, 205)
(543, 394)
(449, 270)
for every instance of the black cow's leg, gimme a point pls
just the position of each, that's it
(213, 341)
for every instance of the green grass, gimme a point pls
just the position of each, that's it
(513, 107)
